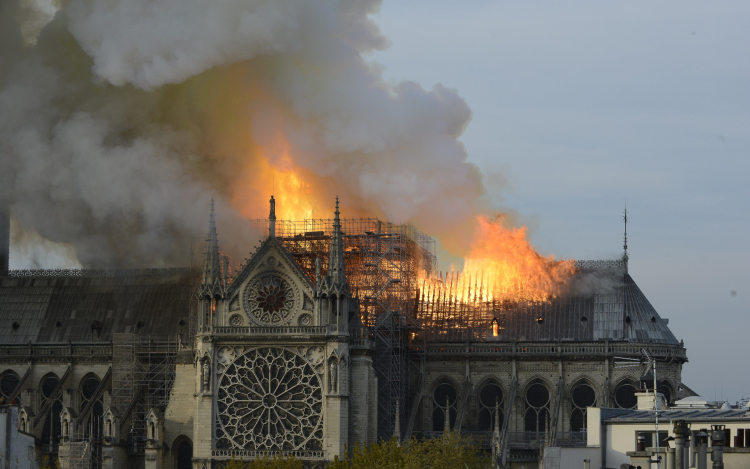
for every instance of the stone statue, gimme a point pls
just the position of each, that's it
(333, 376)
(206, 375)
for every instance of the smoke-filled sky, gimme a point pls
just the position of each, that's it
(578, 106)
(120, 120)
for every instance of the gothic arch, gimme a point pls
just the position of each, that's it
(537, 378)
(9, 379)
(182, 453)
(443, 389)
(490, 391)
(86, 389)
(52, 429)
(667, 388)
(537, 395)
(623, 393)
(583, 393)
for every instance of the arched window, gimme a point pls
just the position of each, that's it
(583, 396)
(183, 453)
(52, 429)
(537, 408)
(444, 394)
(625, 395)
(93, 423)
(8, 383)
(666, 389)
(489, 395)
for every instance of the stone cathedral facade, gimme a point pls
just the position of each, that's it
(307, 352)
(281, 362)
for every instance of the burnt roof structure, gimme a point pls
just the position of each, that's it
(602, 302)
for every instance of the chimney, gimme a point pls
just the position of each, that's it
(4, 240)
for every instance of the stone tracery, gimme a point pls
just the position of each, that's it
(270, 399)
(270, 299)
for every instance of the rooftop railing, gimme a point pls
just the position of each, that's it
(562, 349)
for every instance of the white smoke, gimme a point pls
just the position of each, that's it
(126, 117)
(31, 251)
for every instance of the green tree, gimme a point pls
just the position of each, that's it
(275, 462)
(449, 452)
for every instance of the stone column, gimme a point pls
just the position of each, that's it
(203, 420)
(154, 440)
(114, 451)
(336, 402)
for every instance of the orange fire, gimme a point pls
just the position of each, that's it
(502, 265)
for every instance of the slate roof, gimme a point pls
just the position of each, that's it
(693, 415)
(91, 306)
(602, 302)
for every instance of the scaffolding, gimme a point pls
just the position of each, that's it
(143, 373)
(83, 450)
(384, 262)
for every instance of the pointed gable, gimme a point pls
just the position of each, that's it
(271, 290)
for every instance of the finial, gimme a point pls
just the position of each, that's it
(447, 422)
(272, 218)
(336, 264)
(497, 415)
(496, 432)
(397, 429)
(317, 271)
(211, 270)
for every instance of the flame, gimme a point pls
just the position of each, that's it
(276, 173)
(503, 266)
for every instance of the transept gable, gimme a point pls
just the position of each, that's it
(271, 290)
(282, 261)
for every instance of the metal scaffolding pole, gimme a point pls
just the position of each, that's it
(384, 263)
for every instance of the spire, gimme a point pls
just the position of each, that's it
(496, 434)
(272, 219)
(497, 418)
(447, 421)
(397, 429)
(336, 267)
(625, 242)
(317, 271)
(212, 269)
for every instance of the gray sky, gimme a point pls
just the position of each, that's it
(578, 106)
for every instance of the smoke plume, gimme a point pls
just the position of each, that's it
(122, 119)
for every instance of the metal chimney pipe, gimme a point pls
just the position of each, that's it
(717, 441)
(586, 464)
(702, 449)
(679, 442)
(670, 458)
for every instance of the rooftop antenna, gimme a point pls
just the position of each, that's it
(649, 361)
(625, 243)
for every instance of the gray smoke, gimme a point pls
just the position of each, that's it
(123, 118)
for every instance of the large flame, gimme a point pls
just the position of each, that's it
(503, 266)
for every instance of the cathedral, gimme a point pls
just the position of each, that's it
(333, 332)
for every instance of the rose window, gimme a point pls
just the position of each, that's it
(270, 399)
(270, 300)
